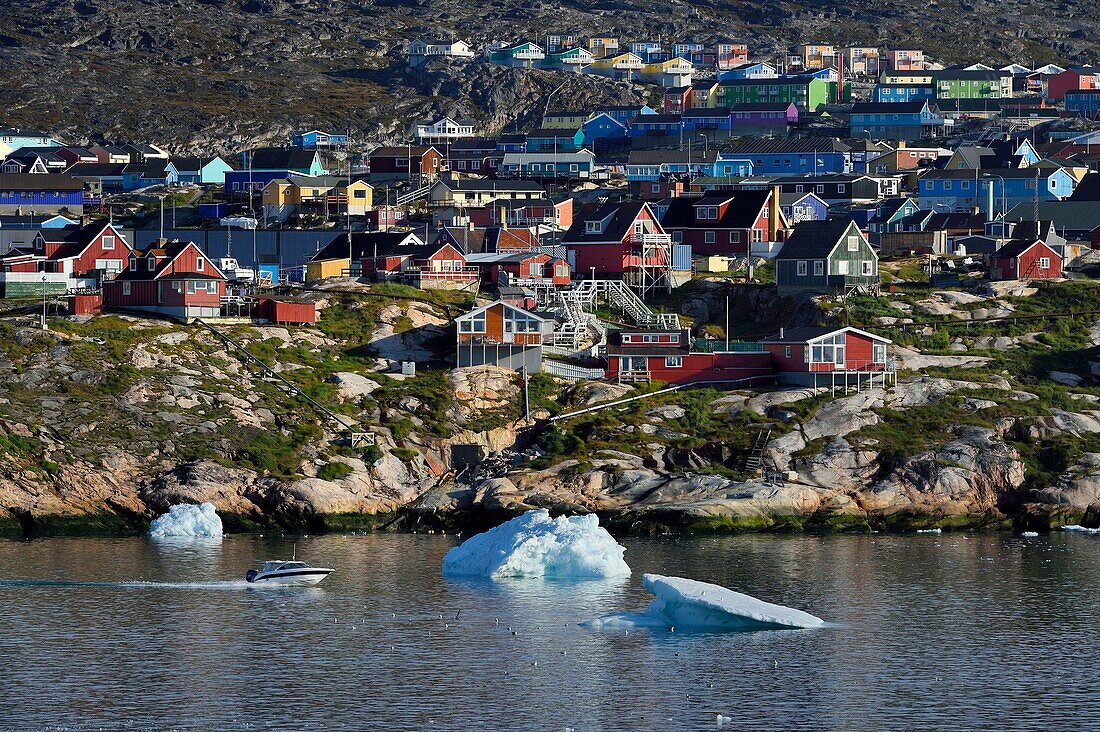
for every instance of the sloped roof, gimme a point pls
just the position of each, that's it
(363, 245)
(39, 182)
(814, 239)
(1015, 248)
(620, 217)
(741, 213)
(166, 255)
(281, 158)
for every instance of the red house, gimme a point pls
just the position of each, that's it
(676, 100)
(616, 240)
(489, 239)
(821, 356)
(403, 161)
(174, 279)
(726, 222)
(651, 355)
(78, 251)
(1023, 260)
(1072, 79)
(521, 269)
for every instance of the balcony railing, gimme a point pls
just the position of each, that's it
(854, 280)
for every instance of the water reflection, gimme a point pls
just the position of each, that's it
(951, 632)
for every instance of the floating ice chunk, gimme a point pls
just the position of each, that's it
(1074, 528)
(685, 603)
(187, 519)
(535, 545)
(930, 531)
(1030, 534)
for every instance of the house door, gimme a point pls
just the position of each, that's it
(509, 331)
(635, 363)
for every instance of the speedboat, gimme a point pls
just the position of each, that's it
(287, 573)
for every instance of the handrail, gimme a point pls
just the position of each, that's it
(666, 390)
(271, 372)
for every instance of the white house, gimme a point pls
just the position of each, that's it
(442, 130)
(421, 50)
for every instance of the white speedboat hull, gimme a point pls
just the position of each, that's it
(291, 578)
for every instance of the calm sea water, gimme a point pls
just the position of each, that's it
(948, 632)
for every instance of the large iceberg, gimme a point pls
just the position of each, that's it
(689, 604)
(535, 545)
(188, 520)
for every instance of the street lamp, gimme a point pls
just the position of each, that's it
(44, 326)
(706, 145)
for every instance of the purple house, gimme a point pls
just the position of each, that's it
(763, 118)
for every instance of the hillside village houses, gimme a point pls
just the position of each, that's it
(734, 162)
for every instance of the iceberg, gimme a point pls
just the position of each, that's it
(1075, 529)
(692, 605)
(536, 545)
(188, 520)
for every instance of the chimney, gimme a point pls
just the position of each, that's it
(502, 217)
(901, 145)
(782, 330)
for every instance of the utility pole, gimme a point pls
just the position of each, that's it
(526, 395)
(44, 326)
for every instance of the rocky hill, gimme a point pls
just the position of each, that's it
(220, 74)
(106, 423)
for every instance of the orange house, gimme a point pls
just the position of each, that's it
(500, 334)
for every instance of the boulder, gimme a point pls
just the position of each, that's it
(1066, 378)
(353, 386)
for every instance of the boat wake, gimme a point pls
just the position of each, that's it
(132, 584)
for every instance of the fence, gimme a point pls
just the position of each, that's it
(570, 371)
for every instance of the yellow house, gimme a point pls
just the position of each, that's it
(704, 95)
(620, 67)
(562, 120)
(908, 78)
(325, 268)
(604, 46)
(816, 55)
(362, 197)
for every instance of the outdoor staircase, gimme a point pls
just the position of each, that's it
(410, 196)
(754, 461)
(619, 295)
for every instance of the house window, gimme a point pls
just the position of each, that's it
(820, 189)
(133, 264)
(842, 267)
(853, 243)
(880, 353)
(787, 352)
(677, 236)
(536, 269)
(708, 237)
(840, 188)
(866, 268)
(735, 237)
(656, 188)
(108, 242)
(801, 268)
(592, 227)
(200, 264)
(798, 189)
(819, 268)
(473, 325)
(1044, 263)
(177, 286)
(125, 288)
(674, 362)
(947, 185)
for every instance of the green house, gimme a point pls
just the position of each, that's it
(957, 84)
(830, 256)
(808, 93)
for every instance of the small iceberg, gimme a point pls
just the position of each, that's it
(535, 545)
(930, 531)
(188, 520)
(1030, 534)
(692, 605)
(1075, 529)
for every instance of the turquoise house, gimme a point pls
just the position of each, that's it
(203, 171)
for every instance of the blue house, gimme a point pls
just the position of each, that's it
(805, 156)
(902, 92)
(41, 193)
(655, 129)
(550, 139)
(263, 165)
(1083, 101)
(548, 166)
(895, 120)
(203, 171)
(799, 207)
(711, 123)
(14, 139)
(512, 143)
(653, 165)
(996, 190)
(650, 51)
(758, 70)
(317, 140)
(603, 127)
(891, 215)
(624, 113)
